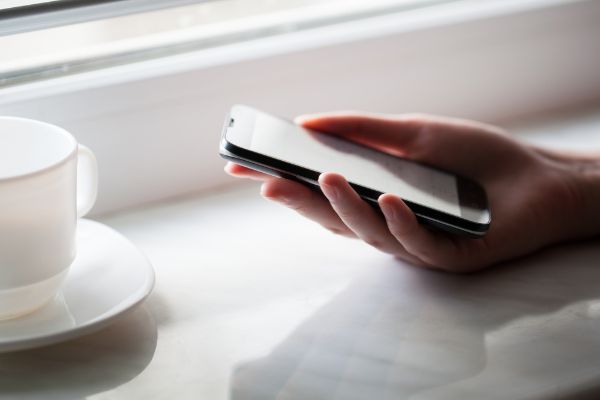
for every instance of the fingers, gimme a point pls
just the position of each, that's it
(240, 171)
(305, 201)
(343, 212)
(435, 248)
(295, 196)
(359, 216)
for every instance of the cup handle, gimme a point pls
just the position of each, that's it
(87, 180)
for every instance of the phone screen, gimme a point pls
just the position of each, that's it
(285, 141)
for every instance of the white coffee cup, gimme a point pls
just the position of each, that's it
(47, 182)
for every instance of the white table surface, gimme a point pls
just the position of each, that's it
(253, 302)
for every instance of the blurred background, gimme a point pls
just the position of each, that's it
(147, 84)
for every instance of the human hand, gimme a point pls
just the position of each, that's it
(537, 197)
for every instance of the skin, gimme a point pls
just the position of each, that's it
(537, 197)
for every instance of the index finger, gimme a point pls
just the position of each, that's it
(239, 171)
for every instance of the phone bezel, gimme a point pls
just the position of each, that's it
(470, 193)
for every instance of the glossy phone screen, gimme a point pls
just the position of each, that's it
(285, 141)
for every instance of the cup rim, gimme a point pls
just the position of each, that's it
(47, 168)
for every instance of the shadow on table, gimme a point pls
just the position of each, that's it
(81, 367)
(528, 328)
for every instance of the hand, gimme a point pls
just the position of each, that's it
(537, 197)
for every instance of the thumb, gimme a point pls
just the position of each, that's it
(456, 145)
(391, 134)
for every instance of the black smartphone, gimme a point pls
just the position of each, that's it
(281, 148)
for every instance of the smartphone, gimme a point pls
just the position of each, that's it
(281, 148)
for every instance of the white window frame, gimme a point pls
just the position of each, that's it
(43, 15)
(155, 125)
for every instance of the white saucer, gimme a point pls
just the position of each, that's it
(109, 277)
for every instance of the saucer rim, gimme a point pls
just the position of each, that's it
(125, 307)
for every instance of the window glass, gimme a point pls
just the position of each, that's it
(77, 47)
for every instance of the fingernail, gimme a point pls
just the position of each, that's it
(389, 211)
(300, 119)
(279, 198)
(330, 192)
(263, 191)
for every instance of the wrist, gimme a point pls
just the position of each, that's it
(575, 182)
(587, 175)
